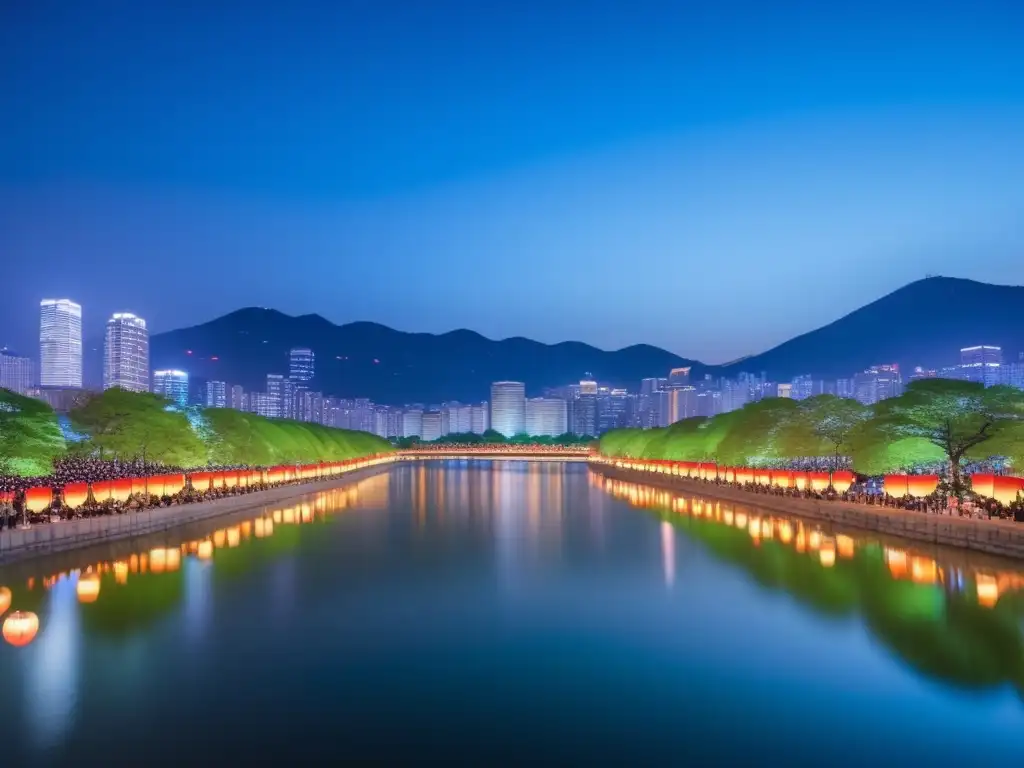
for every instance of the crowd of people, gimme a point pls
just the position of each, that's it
(67, 471)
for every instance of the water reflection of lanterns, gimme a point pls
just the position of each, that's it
(247, 529)
(923, 570)
(5, 600)
(133, 563)
(827, 552)
(276, 516)
(121, 572)
(157, 560)
(845, 546)
(727, 517)
(234, 536)
(20, 628)
(220, 538)
(896, 559)
(88, 588)
(741, 520)
(754, 528)
(205, 550)
(814, 540)
(801, 538)
(785, 532)
(260, 528)
(306, 513)
(288, 515)
(988, 589)
(173, 559)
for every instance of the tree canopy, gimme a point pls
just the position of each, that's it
(935, 421)
(118, 424)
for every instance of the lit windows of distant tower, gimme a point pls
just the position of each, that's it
(546, 417)
(216, 394)
(275, 395)
(17, 374)
(679, 377)
(126, 353)
(301, 364)
(60, 343)
(173, 385)
(982, 363)
(508, 407)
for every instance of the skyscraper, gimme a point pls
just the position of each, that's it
(682, 403)
(982, 363)
(60, 343)
(584, 415)
(508, 407)
(877, 383)
(173, 385)
(17, 373)
(430, 425)
(275, 393)
(679, 377)
(546, 416)
(238, 400)
(216, 394)
(301, 364)
(126, 353)
(479, 418)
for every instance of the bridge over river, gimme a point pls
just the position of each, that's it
(496, 453)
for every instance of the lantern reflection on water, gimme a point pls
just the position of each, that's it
(234, 536)
(845, 546)
(988, 590)
(88, 588)
(827, 552)
(923, 570)
(205, 550)
(121, 572)
(276, 516)
(219, 538)
(5, 600)
(20, 628)
(157, 560)
(288, 515)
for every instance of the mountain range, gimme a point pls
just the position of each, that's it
(923, 323)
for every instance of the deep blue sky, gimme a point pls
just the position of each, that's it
(709, 177)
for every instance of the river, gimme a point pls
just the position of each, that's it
(471, 612)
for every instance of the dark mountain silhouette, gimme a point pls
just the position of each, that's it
(370, 360)
(924, 323)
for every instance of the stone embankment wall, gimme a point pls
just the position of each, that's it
(19, 543)
(996, 537)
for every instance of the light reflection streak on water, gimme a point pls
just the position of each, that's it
(198, 601)
(668, 553)
(52, 675)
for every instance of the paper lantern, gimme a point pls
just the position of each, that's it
(76, 494)
(20, 628)
(922, 485)
(38, 499)
(783, 479)
(895, 485)
(983, 484)
(88, 588)
(5, 600)
(763, 477)
(818, 480)
(842, 480)
(230, 479)
(120, 490)
(141, 485)
(1005, 489)
(801, 481)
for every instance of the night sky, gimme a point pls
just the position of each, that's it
(709, 177)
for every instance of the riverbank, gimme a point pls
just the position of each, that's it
(49, 538)
(994, 537)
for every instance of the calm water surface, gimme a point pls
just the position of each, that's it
(476, 612)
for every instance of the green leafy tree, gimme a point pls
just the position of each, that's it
(129, 425)
(30, 437)
(958, 417)
(825, 426)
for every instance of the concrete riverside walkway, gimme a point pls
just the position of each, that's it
(47, 538)
(996, 537)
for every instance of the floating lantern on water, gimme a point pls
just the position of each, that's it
(20, 628)
(121, 572)
(205, 550)
(5, 600)
(827, 553)
(88, 588)
(988, 590)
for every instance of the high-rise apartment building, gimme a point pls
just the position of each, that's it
(431, 426)
(276, 393)
(301, 364)
(126, 353)
(479, 418)
(982, 363)
(587, 387)
(614, 410)
(584, 415)
(17, 373)
(508, 407)
(60, 343)
(216, 394)
(263, 404)
(546, 416)
(877, 383)
(238, 399)
(682, 403)
(173, 385)
(679, 377)
(785, 390)
(412, 423)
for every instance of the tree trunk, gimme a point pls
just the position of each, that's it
(956, 477)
